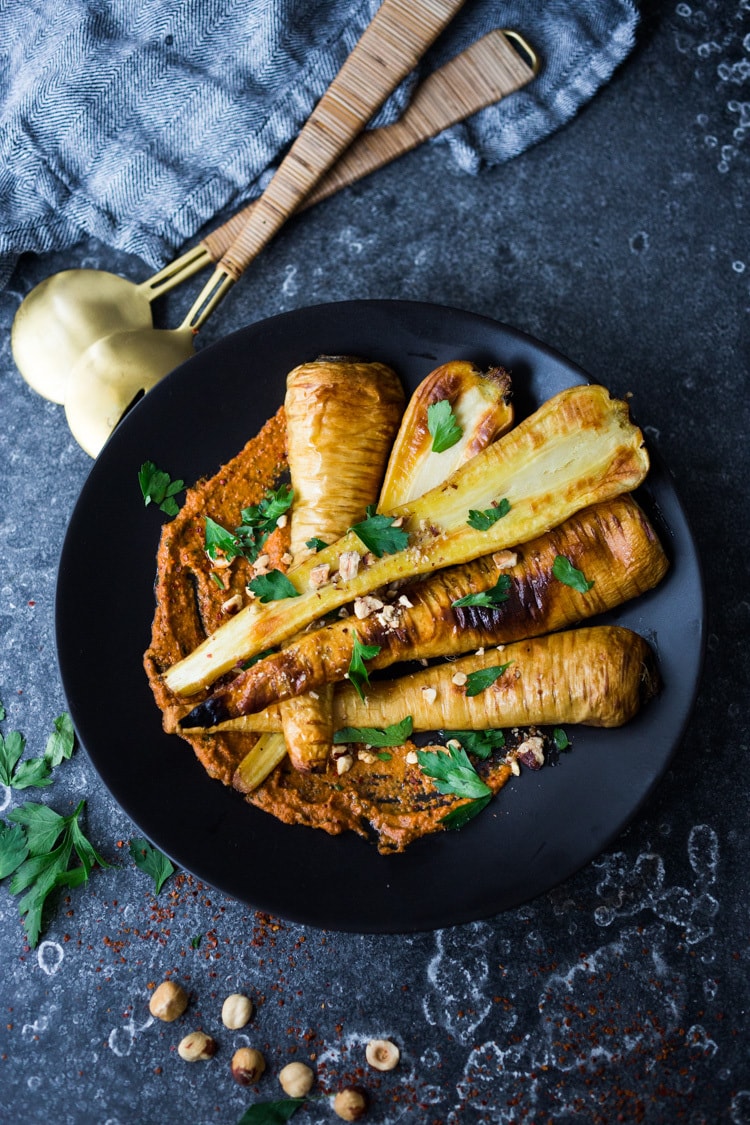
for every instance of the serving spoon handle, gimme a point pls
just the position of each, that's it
(481, 75)
(389, 48)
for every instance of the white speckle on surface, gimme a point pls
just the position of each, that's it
(739, 1110)
(50, 957)
(33, 1082)
(738, 267)
(639, 242)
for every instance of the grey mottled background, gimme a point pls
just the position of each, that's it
(622, 241)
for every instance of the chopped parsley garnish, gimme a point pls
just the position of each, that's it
(358, 675)
(565, 572)
(157, 487)
(272, 587)
(562, 742)
(151, 861)
(483, 520)
(442, 424)
(258, 521)
(480, 680)
(394, 735)
(481, 743)
(454, 775)
(315, 544)
(379, 535)
(495, 596)
(41, 861)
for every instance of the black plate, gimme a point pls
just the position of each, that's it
(540, 829)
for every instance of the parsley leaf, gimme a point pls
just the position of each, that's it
(379, 535)
(394, 735)
(11, 749)
(495, 596)
(452, 772)
(13, 848)
(480, 680)
(461, 815)
(272, 587)
(2, 712)
(315, 544)
(271, 1113)
(562, 742)
(61, 742)
(195, 942)
(259, 520)
(483, 520)
(220, 543)
(442, 424)
(51, 841)
(358, 675)
(481, 743)
(33, 773)
(157, 487)
(565, 572)
(151, 861)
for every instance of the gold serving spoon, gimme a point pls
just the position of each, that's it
(68, 312)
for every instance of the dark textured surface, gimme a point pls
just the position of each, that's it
(621, 995)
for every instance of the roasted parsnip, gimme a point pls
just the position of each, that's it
(577, 449)
(613, 544)
(333, 406)
(596, 676)
(342, 417)
(480, 408)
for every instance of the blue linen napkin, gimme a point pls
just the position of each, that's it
(138, 121)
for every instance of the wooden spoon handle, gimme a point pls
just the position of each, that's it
(485, 72)
(389, 48)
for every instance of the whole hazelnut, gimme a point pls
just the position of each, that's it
(350, 1104)
(168, 1001)
(196, 1047)
(382, 1054)
(247, 1066)
(236, 1011)
(296, 1079)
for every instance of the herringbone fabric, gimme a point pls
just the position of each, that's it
(139, 121)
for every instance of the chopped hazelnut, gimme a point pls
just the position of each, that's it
(515, 769)
(430, 694)
(247, 1066)
(349, 564)
(344, 764)
(363, 607)
(168, 1002)
(366, 756)
(196, 1047)
(404, 601)
(282, 520)
(504, 560)
(460, 678)
(236, 1011)
(382, 1054)
(531, 752)
(232, 605)
(319, 575)
(296, 1079)
(350, 1104)
(260, 566)
(411, 758)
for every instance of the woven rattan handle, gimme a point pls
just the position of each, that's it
(485, 72)
(389, 48)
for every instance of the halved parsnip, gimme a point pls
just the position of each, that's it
(578, 448)
(480, 403)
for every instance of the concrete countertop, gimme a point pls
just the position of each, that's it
(622, 995)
